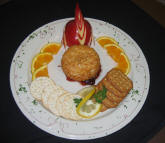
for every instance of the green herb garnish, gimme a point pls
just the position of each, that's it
(125, 106)
(34, 102)
(22, 88)
(100, 95)
(135, 91)
(77, 101)
(31, 37)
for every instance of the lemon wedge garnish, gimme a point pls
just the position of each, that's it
(87, 107)
(85, 91)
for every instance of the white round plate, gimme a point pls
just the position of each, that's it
(104, 123)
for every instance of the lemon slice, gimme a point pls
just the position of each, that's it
(87, 107)
(85, 91)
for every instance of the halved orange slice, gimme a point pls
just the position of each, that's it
(114, 51)
(41, 59)
(104, 40)
(42, 71)
(119, 56)
(51, 48)
(124, 63)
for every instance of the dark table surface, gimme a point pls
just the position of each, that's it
(20, 17)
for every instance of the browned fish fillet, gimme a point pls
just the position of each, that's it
(112, 89)
(109, 94)
(103, 108)
(99, 86)
(119, 80)
(109, 103)
(113, 97)
(118, 86)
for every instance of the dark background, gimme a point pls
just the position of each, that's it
(18, 18)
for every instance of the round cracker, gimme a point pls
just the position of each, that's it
(48, 91)
(52, 100)
(59, 103)
(38, 85)
(69, 107)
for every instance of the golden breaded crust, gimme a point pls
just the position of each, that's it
(109, 104)
(111, 88)
(113, 98)
(119, 80)
(103, 108)
(109, 94)
(118, 86)
(81, 63)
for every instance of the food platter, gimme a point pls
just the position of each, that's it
(104, 123)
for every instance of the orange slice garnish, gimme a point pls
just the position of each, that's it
(119, 56)
(104, 40)
(52, 48)
(41, 59)
(124, 64)
(42, 71)
(114, 51)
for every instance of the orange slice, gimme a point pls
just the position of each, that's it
(114, 51)
(124, 64)
(51, 48)
(41, 59)
(118, 55)
(42, 71)
(104, 40)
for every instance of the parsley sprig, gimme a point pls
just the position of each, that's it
(100, 95)
(77, 101)
(35, 102)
